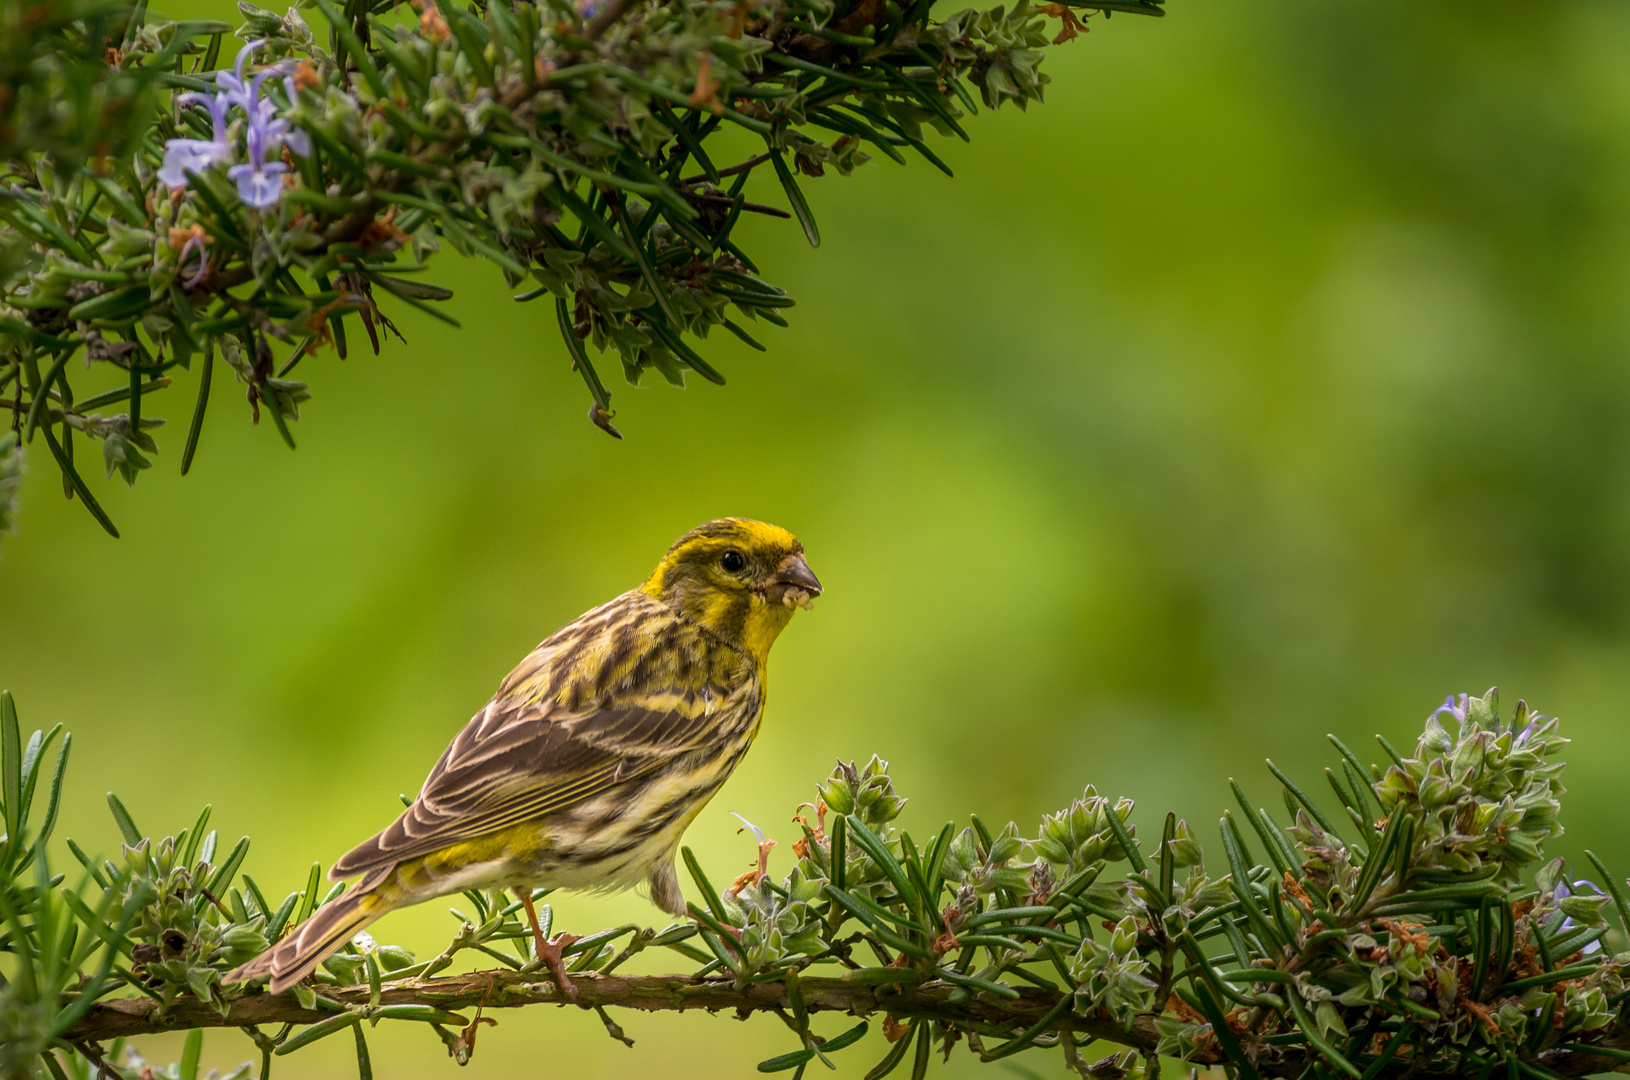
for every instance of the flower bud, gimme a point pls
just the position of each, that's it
(344, 966)
(393, 957)
(241, 943)
(1584, 907)
(838, 795)
(1547, 877)
(1435, 740)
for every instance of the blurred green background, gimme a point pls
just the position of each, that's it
(1268, 381)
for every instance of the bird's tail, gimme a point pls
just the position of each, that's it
(318, 938)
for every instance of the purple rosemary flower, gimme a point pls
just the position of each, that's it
(183, 156)
(274, 130)
(232, 85)
(1534, 725)
(1453, 708)
(266, 131)
(295, 139)
(194, 243)
(257, 179)
(259, 108)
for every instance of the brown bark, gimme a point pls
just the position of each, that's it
(648, 993)
(997, 1017)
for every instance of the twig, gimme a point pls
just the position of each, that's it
(127, 1017)
(725, 200)
(93, 1054)
(751, 163)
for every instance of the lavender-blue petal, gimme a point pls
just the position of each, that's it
(298, 142)
(259, 188)
(183, 156)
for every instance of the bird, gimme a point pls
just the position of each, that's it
(597, 752)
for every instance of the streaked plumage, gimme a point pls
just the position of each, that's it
(596, 752)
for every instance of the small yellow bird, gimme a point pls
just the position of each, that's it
(596, 753)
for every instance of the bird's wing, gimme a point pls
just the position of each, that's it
(522, 756)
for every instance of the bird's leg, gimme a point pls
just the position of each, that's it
(549, 949)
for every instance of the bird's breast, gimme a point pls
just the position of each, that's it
(615, 840)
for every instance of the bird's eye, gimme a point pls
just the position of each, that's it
(732, 562)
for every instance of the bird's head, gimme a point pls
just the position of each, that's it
(739, 578)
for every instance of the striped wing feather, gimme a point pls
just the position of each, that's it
(526, 755)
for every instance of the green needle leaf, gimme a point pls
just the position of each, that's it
(800, 205)
(853, 1035)
(868, 842)
(11, 773)
(786, 1061)
(709, 893)
(78, 485)
(320, 1030)
(1301, 797)
(1311, 1030)
(121, 817)
(36, 408)
(191, 1050)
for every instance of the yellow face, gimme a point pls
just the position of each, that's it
(739, 578)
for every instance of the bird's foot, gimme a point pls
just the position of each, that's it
(549, 952)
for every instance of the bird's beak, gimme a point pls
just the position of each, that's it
(794, 584)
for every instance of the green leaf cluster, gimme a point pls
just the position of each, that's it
(578, 147)
(1422, 940)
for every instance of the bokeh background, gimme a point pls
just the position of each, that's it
(1269, 381)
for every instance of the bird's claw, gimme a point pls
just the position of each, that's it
(549, 952)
